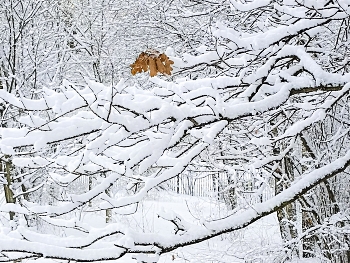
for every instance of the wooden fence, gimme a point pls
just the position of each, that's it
(217, 185)
(204, 184)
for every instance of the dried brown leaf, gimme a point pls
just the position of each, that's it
(154, 61)
(152, 67)
(160, 66)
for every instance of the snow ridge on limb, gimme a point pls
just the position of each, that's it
(251, 5)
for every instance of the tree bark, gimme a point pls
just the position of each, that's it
(5, 168)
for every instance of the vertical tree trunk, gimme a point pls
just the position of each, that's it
(287, 216)
(231, 196)
(5, 168)
(108, 210)
(89, 188)
(178, 184)
(108, 216)
(315, 210)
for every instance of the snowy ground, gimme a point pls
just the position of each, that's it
(252, 244)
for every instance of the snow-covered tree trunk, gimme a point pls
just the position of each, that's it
(5, 170)
(287, 216)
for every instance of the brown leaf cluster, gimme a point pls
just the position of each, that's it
(153, 61)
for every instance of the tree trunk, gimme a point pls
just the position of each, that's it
(5, 168)
(287, 216)
(108, 210)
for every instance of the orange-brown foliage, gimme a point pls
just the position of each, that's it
(153, 61)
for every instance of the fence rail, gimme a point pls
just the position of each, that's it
(217, 185)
